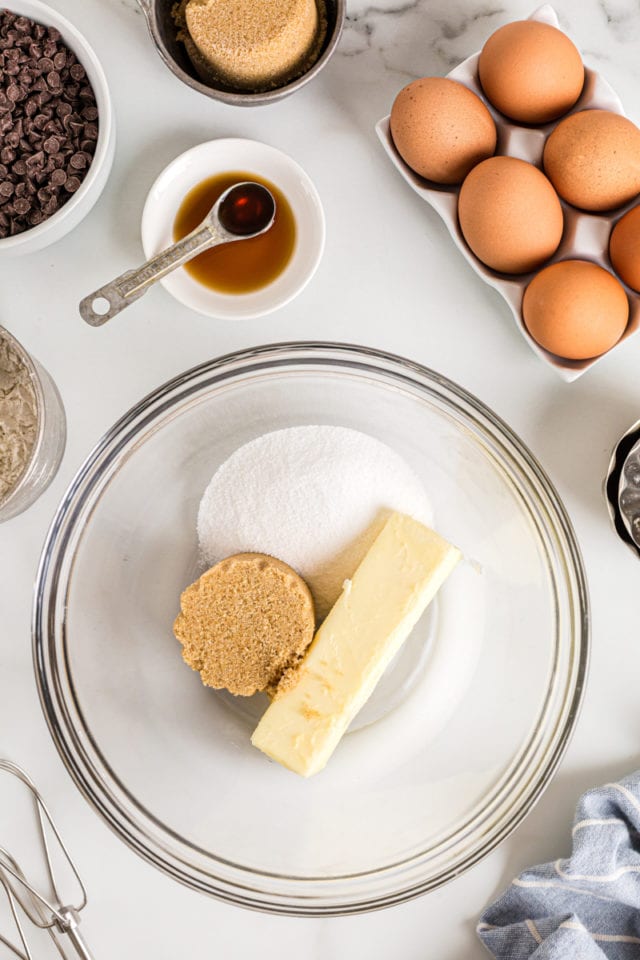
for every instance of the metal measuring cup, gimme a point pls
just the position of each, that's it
(622, 488)
(164, 35)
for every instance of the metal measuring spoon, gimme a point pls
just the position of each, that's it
(245, 210)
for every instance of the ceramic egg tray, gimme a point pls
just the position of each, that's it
(585, 235)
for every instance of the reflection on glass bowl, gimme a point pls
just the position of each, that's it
(459, 744)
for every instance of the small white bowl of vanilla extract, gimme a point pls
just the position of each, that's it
(249, 278)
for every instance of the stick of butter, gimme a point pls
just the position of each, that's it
(395, 582)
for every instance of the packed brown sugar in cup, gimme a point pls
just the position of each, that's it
(245, 623)
(251, 45)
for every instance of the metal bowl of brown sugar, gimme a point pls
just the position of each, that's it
(161, 20)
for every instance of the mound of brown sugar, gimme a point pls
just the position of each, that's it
(245, 623)
(251, 45)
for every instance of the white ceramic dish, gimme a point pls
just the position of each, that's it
(250, 156)
(70, 215)
(586, 236)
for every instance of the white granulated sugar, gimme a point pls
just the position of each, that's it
(315, 497)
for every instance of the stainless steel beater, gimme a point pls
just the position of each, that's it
(49, 911)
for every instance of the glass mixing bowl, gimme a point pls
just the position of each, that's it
(459, 740)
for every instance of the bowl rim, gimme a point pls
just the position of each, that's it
(50, 17)
(240, 885)
(239, 305)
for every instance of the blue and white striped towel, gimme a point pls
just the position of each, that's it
(584, 908)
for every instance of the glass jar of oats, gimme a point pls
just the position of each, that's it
(32, 428)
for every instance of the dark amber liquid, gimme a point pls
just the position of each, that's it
(244, 265)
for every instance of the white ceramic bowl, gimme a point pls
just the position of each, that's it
(221, 156)
(75, 209)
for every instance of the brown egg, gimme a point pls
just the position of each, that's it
(624, 248)
(531, 71)
(593, 159)
(510, 215)
(441, 129)
(575, 309)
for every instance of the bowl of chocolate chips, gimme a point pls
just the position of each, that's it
(57, 133)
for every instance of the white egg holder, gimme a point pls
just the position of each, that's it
(585, 235)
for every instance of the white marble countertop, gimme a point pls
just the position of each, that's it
(390, 278)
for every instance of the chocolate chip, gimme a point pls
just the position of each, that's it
(22, 206)
(77, 71)
(78, 161)
(35, 160)
(6, 188)
(51, 145)
(72, 184)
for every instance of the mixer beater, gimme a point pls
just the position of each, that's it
(49, 910)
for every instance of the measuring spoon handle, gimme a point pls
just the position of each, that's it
(115, 296)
